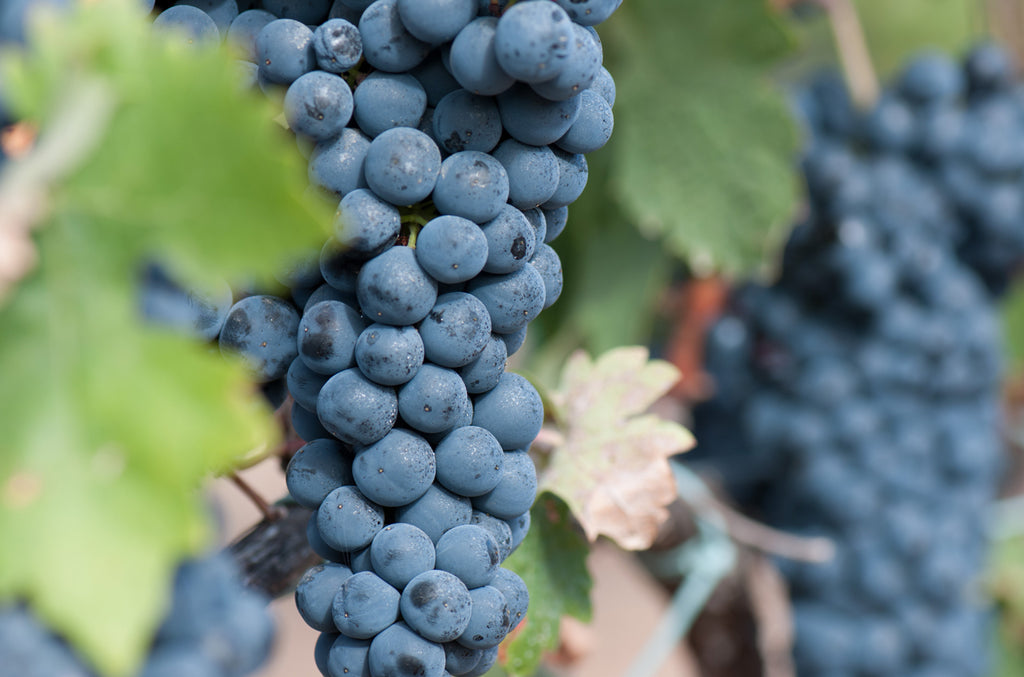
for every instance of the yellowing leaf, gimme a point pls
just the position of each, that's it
(612, 469)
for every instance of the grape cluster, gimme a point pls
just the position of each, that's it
(452, 133)
(858, 395)
(215, 628)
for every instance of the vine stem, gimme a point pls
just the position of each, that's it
(270, 512)
(852, 47)
(746, 531)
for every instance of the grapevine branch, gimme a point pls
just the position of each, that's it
(852, 46)
(274, 554)
(853, 51)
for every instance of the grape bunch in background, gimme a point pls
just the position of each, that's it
(453, 134)
(215, 628)
(858, 396)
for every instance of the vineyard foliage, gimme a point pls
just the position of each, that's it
(110, 426)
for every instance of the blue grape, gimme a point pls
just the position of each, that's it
(488, 657)
(223, 12)
(317, 469)
(337, 45)
(395, 470)
(398, 651)
(469, 461)
(469, 552)
(386, 100)
(519, 527)
(556, 219)
(349, 657)
(534, 120)
(364, 605)
(261, 330)
(327, 337)
(435, 79)
(248, 74)
(467, 121)
(402, 165)
(451, 249)
(516, 594)
(394, 289)
(322, 650)
(318, 545)
(511, 241)
(389, 355)
(456, 330)
(499, 529)
(30, 650)
(314, 594)
(572, 179)
(472, 185)
(436, 511)
(436, 21)
(337, 164)
(489, 621)
(355, 409)
(513, 300)
(189, 23)
(474, 62)
(589, 12)
(387, 45)
(515, 492)
(347, 520)
(307, 425)
(514, 340)
(437, 605)
(366, 225)
(284, 51)
(400, 552)
(512, 412)
(540, 226)
(604, 84)
(307, 11)
(460, 659)
(533, 41)
(483, 373)
(547, 263)
(532, 172)
(433, 400)
(318, 105)
(932, 77)
(164, 662)
(245, 27)
(989, 68)
(193, 313)
(593, 126)
(580, 69)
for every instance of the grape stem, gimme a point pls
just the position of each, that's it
(852, 47)
(745, 530)
(270, 512)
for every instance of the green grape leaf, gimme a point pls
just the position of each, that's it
(552, 562)
(704, 144)
(611, 466)
(109, 424)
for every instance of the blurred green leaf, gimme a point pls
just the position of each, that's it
(1013, 325)
(896, 30)
(552, 562)
(110, 425)
(704, 144)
